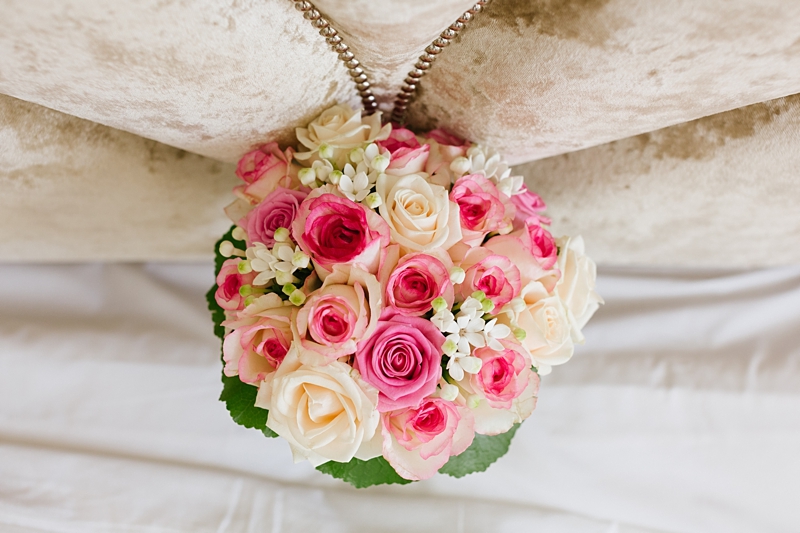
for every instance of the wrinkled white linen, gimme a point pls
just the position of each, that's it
(681, 414)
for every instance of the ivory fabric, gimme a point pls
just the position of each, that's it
(535, 78)
(721, 191)
(680, 415)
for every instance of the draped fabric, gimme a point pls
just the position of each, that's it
(680, 414)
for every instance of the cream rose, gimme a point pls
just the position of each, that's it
(337, 131)
(420, 214)
(547, 329)
(575, 288)
(326, 413)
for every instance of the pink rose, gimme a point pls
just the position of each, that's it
(504, 390)
(540, 242)
(229, 281)
(416, 281)
(496, 275)
(277, 210)
(408, 157)
(265, 169)
(528, 204)
(417, 442)
(444, 148)
(344, 311)
(399, 139)
(335, 230)
(260, 339)
(483, 208)
(402, 360)
(503, 376)
(512, 247)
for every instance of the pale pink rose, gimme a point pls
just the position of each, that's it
(229, 281)
(418, 441)
(277, 210)
(260, 339)
(512, 247)
(444, 148)
(408, 157)
(343, 312)
(482, 207)
(540, 242)
(402, 359)
(334, 230)
(417, 280)
(528, 204)
(495, 275)
(504, 374)
(264, 170)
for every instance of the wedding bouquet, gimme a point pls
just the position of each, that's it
(387, 301)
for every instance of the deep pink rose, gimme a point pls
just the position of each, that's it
(265, 169)
(540, 242)
(335, 230)
(445, 138)
(260, 339)
(416, 281)
(229, 281)
(503, 376)
(494, 274)
(277, 210)
(483, 208)
(417, 442)
(402, 359)
(399, 138)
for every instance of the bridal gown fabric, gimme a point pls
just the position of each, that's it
(681, 414)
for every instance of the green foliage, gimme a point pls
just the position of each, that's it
(363, 474)
(483, 451)
(239, 397)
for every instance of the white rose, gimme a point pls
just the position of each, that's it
(419, 213)
(547, 329)
(337, 131)
(325, 413)
(576, 285)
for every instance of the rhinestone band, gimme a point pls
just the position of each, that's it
(425, 61)
(346, 56)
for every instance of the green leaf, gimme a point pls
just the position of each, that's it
(483, 451)
(239, 398)
(363, 474)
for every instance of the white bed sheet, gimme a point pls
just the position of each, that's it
(681, 414)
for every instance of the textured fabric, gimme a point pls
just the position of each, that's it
(718, 192)
(680, 415)
(721, 191)
(535, 78)
(73, 190)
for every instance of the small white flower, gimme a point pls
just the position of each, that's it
(493, 331)
(307, 176)
(322, 169)
(488, 162)
(354, 182)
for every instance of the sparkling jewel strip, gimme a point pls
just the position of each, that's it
(333, 38)
(425, 61)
